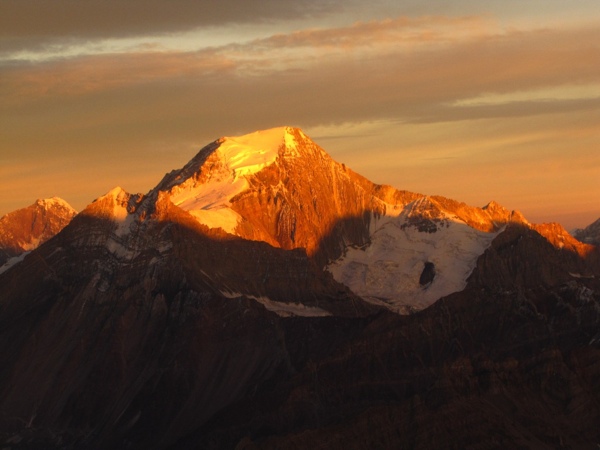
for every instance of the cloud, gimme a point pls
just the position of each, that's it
(38, 25)
(413, 30)
(102, 18)
(382, 79)
(450, 113)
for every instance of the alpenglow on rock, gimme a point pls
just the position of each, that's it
(25, 229)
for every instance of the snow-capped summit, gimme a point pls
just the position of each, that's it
(25, 229)
(207, 185)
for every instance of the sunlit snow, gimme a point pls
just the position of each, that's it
(388, 270)
(122, 218)
(13, 261)
(240, 156)
(55, 201)
(282, 309)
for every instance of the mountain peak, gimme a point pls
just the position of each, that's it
(207, 185)
(250, 153)
(25, 229)
(115, 205)
(54, 202)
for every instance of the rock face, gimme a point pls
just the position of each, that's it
(250, 301)
(590, 234)
(25, 229)
(427, 275)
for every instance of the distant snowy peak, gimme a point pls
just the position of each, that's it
(56, 203)
(53, 204)
(280, 187)
(25, 229)
(590, 234)
(207, 184)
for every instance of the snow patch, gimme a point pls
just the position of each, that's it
(13, 261)
(280, 308)
(56, 202)
(248, 154)
(119, 214)
(388, 270)
(240, 156)
(209, 202)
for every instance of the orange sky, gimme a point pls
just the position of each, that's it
(474, 100)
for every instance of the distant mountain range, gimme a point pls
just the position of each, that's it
(266, 296)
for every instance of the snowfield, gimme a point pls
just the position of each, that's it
(387, 271)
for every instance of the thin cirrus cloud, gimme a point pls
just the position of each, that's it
(378, 32)
(39, 23)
